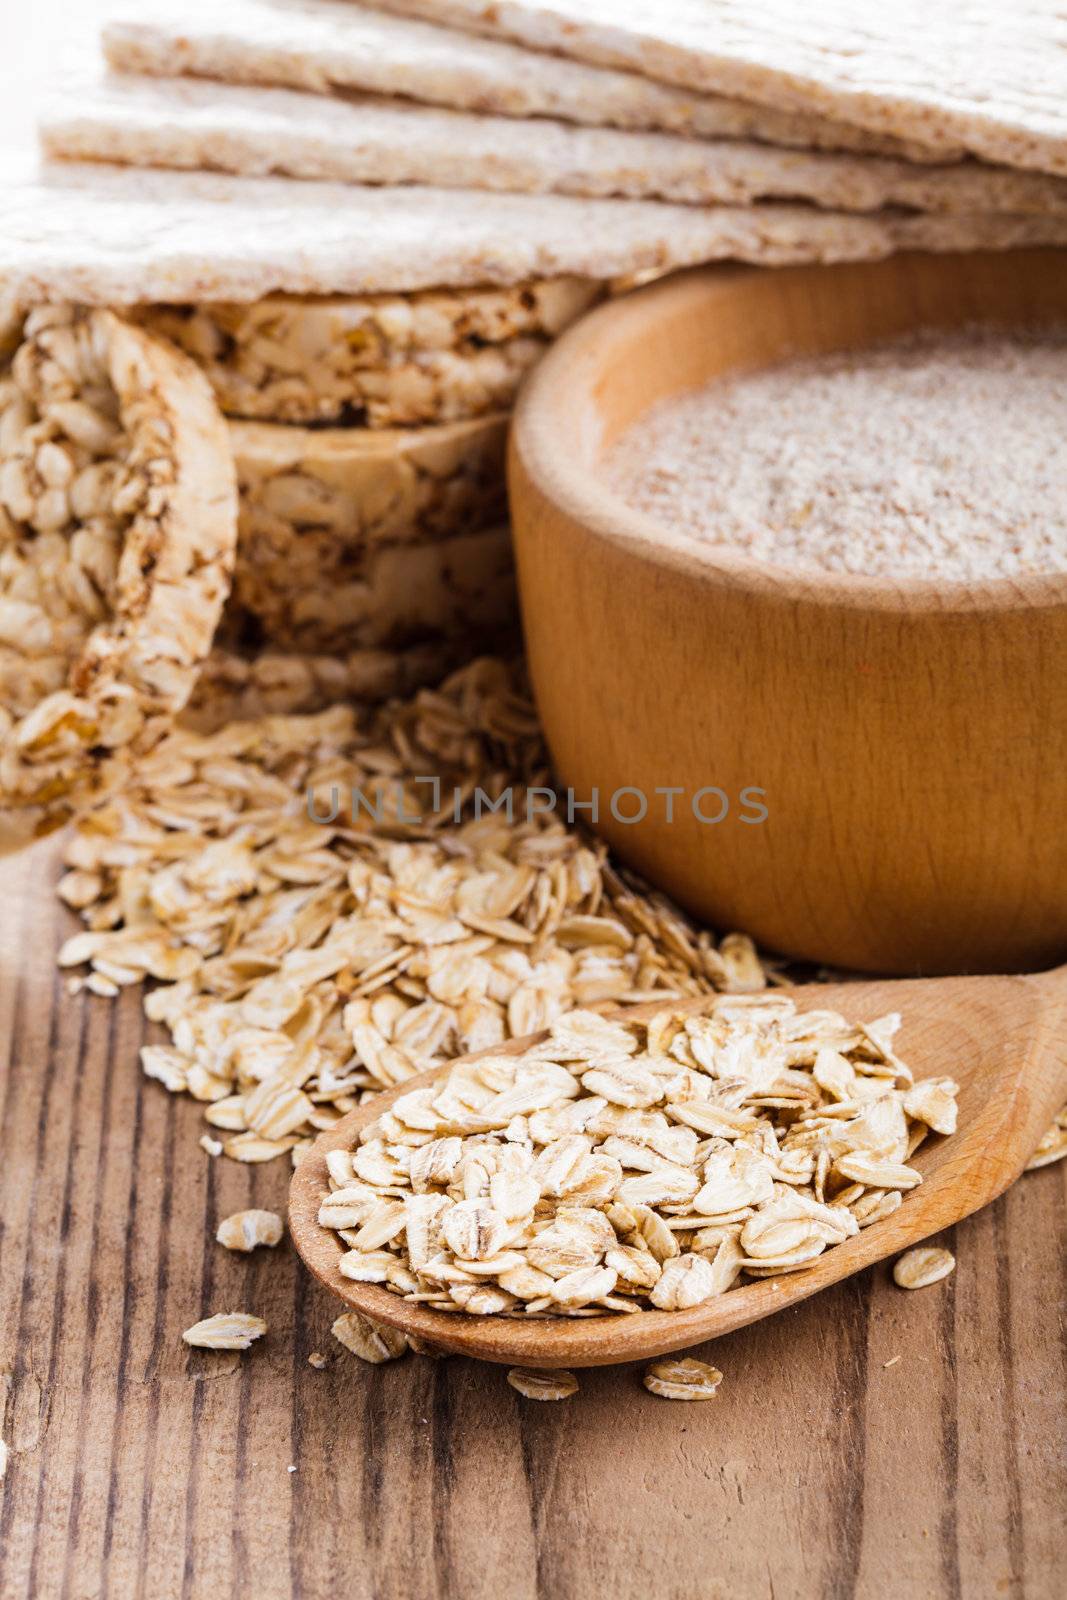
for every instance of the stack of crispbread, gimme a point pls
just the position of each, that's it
(366, 223)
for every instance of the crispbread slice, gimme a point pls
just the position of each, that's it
(188, 124)
(321, 45)
(983, 74)
(118, 522)
(387, 360)
(114, 235)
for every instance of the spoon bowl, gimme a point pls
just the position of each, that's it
(1004, 1040)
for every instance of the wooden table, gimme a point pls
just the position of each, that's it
(871, 1443)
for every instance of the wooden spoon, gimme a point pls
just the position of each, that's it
(1004, 1040)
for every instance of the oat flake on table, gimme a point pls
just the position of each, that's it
(226, 1330)
(534, 1384)
(682, 1378)
(919, 1268)
(244, 1230)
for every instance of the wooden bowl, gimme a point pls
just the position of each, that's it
(910, 736)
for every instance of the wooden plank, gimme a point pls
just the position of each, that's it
(140, 1468)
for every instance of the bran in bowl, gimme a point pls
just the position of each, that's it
(937, 456)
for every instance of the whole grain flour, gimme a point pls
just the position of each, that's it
(937, 457)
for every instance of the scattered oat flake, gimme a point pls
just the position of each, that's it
(317, 1360)
(536, 1385)
(227, 1330)
(370, 1341)
(422, 1347)
(212, 1146)
(244, 1230)
(1053, 1146)
(682, 1379)
(891, 1362)
(918, 1268)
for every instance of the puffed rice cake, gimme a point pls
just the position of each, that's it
(351, 538)
(443, 355)
(117, 534)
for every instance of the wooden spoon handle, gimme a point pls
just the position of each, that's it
(1053, 985)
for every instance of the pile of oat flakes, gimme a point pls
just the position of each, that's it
(303, 965)
(621, 1164)
(624, 1164)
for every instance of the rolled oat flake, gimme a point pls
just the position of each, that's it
(919, 1268)
(537, 1385)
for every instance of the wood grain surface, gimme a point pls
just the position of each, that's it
(139, 1467)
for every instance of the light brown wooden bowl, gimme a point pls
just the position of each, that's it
(911, 736)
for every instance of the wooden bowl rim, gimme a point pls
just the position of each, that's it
(542, 440)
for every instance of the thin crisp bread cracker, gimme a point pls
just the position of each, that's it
(320, 45)
(193, 125)
(116, 235)
(983, 74)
